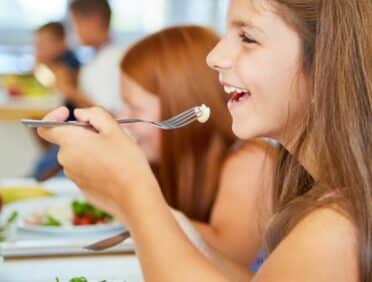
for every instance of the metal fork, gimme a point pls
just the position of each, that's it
(178, 121)
(109, 242)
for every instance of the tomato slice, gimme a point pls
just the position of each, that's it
(86, 219)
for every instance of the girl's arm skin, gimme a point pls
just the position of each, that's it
(114, 174)
(240, 211)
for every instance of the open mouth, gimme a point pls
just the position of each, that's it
(238, 97)
(237, 94)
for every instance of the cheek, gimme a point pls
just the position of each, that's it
(277, 99)
(137, 130)
(149, 135)
(271, 78)
(157, 137)
(254, 70)
(83, 30)
(153, 136)
(151, 145)
(146, 134)
(256, 73)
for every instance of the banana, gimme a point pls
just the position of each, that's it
(13, 194)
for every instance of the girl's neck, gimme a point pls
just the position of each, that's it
(306, 156)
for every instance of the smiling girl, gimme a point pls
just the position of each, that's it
(197, 167)
(299, 72)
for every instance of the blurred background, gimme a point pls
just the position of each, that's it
(19, 147)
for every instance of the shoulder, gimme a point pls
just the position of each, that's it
(112, 51)
(106, 63)
(338, 230)
(321, 247)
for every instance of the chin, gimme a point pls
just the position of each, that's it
(242, 132)
(246, 131)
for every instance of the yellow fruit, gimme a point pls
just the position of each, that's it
(13, 194)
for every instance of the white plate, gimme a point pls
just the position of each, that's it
(26, 208)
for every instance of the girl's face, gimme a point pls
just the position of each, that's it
(142, 104)
(259, 64)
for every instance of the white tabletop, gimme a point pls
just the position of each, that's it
(112, 268)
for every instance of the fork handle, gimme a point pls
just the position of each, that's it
(40, 123)
(32, 123)
(130, 120)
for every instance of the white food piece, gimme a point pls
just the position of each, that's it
(62, 212)
(205, 113)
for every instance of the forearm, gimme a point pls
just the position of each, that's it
(165, 252)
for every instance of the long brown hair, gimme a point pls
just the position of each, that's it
(337, 51)
(171, 64)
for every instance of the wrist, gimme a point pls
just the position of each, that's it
(135, 200)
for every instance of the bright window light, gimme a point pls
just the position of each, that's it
(30, 14)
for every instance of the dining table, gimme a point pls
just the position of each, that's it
(16, 108)
(49, 257)
(110, 268)
(33, 257)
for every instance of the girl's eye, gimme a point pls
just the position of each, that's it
(246, 39)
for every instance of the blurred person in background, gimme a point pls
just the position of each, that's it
(203, 171)
(95, 83)
(52, 51)
(98, 80)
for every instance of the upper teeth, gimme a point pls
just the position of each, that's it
(232, 89)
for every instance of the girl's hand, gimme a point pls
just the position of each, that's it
(102, 160)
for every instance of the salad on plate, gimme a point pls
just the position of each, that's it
(77, 213)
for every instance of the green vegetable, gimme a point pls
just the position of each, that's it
(97, 214)
(12, 218)
(79, 279)
(80, 208)
(51, 221)
(83, 208)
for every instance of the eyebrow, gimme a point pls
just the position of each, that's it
(248, 24)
